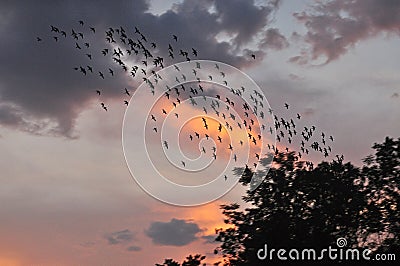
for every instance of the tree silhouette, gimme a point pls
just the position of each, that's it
(380, 184)
(298, 206)
(191, 260)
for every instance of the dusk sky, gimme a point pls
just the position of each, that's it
(67, 196)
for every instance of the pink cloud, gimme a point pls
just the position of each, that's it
(334, 27)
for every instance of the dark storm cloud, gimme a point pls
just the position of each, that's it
(38, 78)
(336, 26)
(242, 18)
(119, 237)
(173, 233)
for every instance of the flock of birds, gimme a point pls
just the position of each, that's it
(217, 116)
(285, 128)
(121, 47)
(124, 47)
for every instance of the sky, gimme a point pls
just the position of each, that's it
(67, 194)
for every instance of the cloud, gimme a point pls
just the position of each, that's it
(209, 239)
(295, 77)
(88, 244)
(395, 95)
(119, 237)
(13, 117)
(173, 233)
(134, 248)
(273, 39)
(334, 27)
(242, 18)
(309, 111)
(43, 93)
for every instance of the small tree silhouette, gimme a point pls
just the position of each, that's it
(191, 260)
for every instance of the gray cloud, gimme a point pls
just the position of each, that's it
(14, 117)
(209, 239)
(38, 78)
(119, 237)
(336, 26)
(173, 233)
(242, 18)
(134, 248)
(395, 95)
(273, 39)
